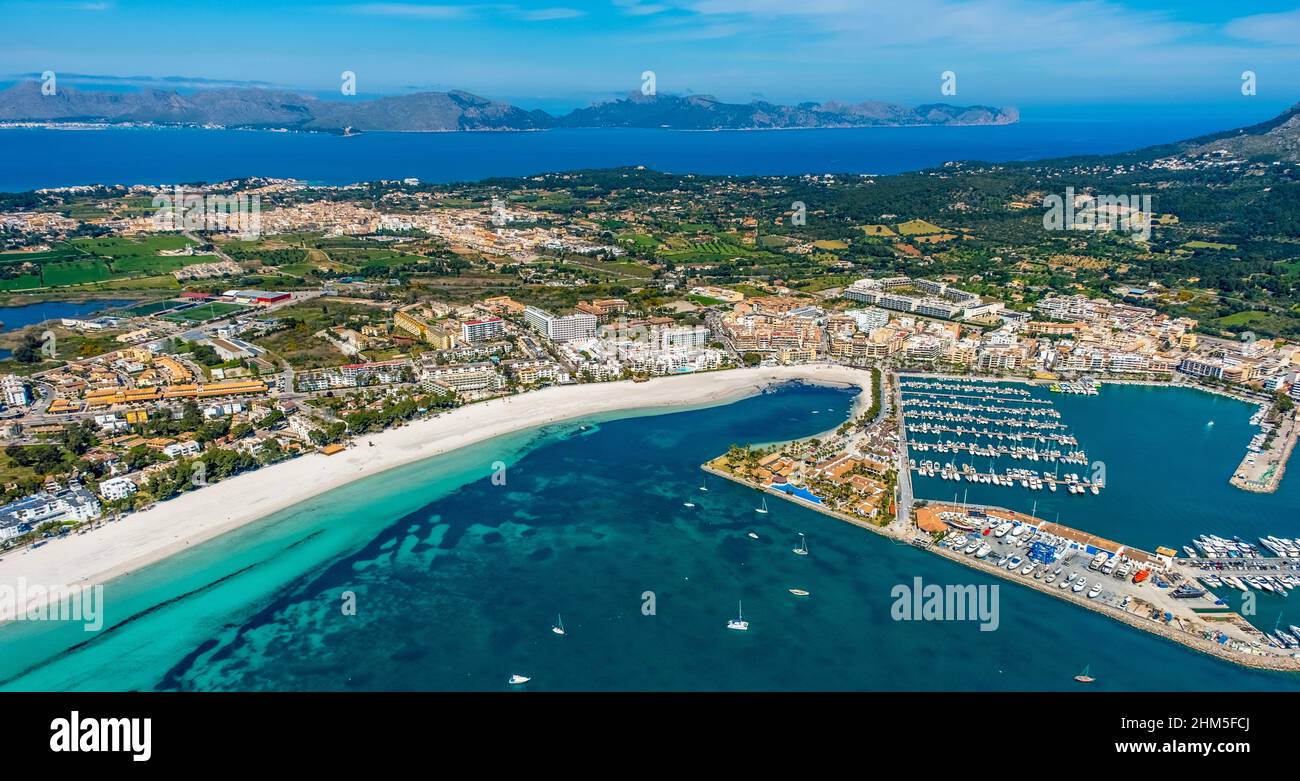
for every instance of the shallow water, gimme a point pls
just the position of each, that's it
(457, 582)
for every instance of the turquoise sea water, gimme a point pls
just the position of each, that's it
(458, 580)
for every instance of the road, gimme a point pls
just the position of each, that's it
(894, 400)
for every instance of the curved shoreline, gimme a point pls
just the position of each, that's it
(904, 533)
(149, 536)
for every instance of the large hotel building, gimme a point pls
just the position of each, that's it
(561, 329)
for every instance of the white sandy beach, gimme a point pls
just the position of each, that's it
(143, 538)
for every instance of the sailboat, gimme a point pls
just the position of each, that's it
(518, 679)
(688, 503)
(704, 486)
(753, 535)
(762, 509)
(739, 622)
(559, 625)
(802, 550)
(1085, 677)
(798, 592)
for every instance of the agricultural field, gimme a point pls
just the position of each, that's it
(918, 228)
(124, 247)
(1210, 245)
(639, 241)
(614, 267)
(104, 261)
(1242, 319)
(882, 231)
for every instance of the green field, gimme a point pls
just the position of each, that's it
(98, 261)
(638, 240)
(22, 282)
(140, 310)
(1237, 319)
(124, 247)
(1208, 245)
(918, 228)
(76, 272)
(200, 314)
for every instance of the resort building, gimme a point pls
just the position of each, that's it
(579, 325)
(466, 377)
(116, 488)
(15, 390)
(922, 296)
(73, 503)
(530, 372)
(482, 330)
(603, 308)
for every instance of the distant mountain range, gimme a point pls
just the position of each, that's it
(458, 110)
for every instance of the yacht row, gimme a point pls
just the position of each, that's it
(995, 451)
(979, 397)
(1045, 412)
(967, 387)
(1081, 388)
(937, 428)
(950, 417)
(1026, 477)
(1272, 584)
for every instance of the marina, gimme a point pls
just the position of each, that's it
(1151, 588)
(1264, 464)
(1009, 425)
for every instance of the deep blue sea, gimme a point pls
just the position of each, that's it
(49, 158)
(458, 581)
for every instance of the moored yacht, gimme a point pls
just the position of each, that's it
(739, 623)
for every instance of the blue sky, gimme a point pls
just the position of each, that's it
(556, 54)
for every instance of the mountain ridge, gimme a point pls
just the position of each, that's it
(458, 110)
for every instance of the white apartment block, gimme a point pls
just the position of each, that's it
(483, 330)
(116, 488)
(15, 390)
(466, 377)
(579, 325)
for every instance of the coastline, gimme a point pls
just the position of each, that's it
(143, 538)
(900, 533)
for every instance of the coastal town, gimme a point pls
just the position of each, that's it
(332, 321)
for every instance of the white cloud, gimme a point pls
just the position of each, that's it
(1281, 28)
(638, 8)
(414, 10)
(548, 14)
